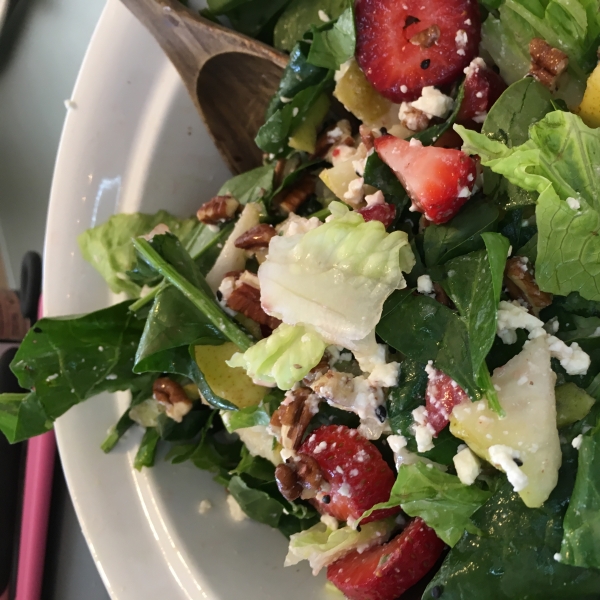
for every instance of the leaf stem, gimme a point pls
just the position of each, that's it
(197, 297)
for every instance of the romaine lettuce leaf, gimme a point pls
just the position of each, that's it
(321, 546)
(336, 277)
(283, 358)
(440, 499)
(108, 247)
(558, 161)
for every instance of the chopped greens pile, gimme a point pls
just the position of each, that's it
(393, 336)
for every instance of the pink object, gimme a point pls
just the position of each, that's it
(4, 596)
(39, 469)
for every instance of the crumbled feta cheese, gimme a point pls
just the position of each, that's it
(480, 117)
(573, 203)
(344, 490)
(396, 442)
(557, 557)
(467, 466)
(374, 199)
(250, 279)
(403, 89)
(359, 166)
(512, 317)
(295, 225)
(464, 192)
(576, 443)
(474, 66)
(295, 111)
(204, 506)
(160, 229)
(433, 103)
(572, 358)
(461, 38)
(503, 457)
(320, 447)
(424, 284)
(355, 192)
(235, 510)
(52, 377)
(324, 16)
(342, 70)
(415, 143)
(422, 429)
(285, 100)
(330, 522)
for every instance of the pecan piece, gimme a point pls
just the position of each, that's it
(441, 296)
(412, 118)
(547, 63)
(337, 135)
(317, 371)
(290, 199)
(288, 482)
(245, 299)
(426, 38)
(294, 415)
(366, 136)
(173, 397)
(521, 284)
(218, 210)
(256, 237)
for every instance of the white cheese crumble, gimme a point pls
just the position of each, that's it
(396, 442)
(433, 103)
(576, 443)
(573, 204)
(422, 429)
(461, 40)
(295, 225)
(467, 465)
(374, 199)
(204, 506)
(503, 457)
(355, 192)
(557, 557)
(474, 66)
(424, 285)
(235, 510)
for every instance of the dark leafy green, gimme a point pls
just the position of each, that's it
(379, 175)
(252, 186)
(146, 454)
(333, 47)
(460, 235)
(248, 417)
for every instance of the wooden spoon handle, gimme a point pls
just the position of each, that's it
(190, 40)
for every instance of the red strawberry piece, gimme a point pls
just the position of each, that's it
(482, 88)
(438, 180)
(386, 213)
(386, 572)
(441, 396)
(358, 476)
(405, 45)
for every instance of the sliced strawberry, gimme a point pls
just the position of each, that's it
(386, 213)
(438, 180)
(482, 88)
(441, 396)
(386, 572)
(355, 470)
(405, 45)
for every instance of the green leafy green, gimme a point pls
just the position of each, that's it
(22, 416)
(108, 248)
(514, 556)
(248, 417)
(333, 47)
(557, 162)
(252, 186)
(146, 453)
(581, 540)
(300, 16)
(440, 499)
(460, 235)
(283, 358)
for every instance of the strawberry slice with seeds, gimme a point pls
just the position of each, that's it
(386, 572)
(386, 213)
(441, 396)
(482, 88)
(438, 180)
(404, 46)
(353, 467)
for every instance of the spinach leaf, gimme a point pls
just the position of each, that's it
(190, 426)
(432, 134)
(460, 235)
(440, 499)
(252, 186)
(108, 247)
(333, 47)
(300, 16)
(146, 454)
(517, 229)
(379, 175)
(255, 466)
(256, 18)
(514, 557)
(248, 417)
(22, 416)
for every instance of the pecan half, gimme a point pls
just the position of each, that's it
(256, 237)
(300, 478)
(294, 415)
(291, 198)
(245, 299)
(521, 284)
(218, 210)
(413, 118)
(173, 397)
(426, 38)
(288, 482)
(547, 63)
(441, 296)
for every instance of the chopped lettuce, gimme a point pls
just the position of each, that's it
(558, 161)
(321, 546)
(573, 26)
(336, 277)
(108, 247)
(440, 499)
(283, 358)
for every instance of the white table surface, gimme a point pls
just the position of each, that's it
(41, 49)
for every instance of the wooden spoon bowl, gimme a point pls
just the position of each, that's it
(229, 76)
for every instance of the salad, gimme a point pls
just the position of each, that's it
(385, 340)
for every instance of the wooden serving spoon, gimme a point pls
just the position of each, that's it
(229, 76)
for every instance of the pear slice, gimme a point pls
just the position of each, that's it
(526, 392)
